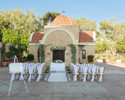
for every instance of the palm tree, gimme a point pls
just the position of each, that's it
(49, 17)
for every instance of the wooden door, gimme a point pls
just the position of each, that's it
(59, 55)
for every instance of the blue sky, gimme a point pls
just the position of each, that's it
(95, 10)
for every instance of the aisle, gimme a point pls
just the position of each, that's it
(57, 77)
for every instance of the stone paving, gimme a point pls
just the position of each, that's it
(112, 87)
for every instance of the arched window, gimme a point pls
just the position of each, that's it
(83, 54)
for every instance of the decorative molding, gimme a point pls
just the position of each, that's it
(31, 36)
(55, 29)
(87, 43)
(33, 43)
(94, 36)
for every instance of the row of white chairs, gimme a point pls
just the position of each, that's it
(30, 71)
(87, 72)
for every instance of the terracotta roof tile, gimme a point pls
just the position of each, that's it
(36, 37)
(85, 36)
(63, 20)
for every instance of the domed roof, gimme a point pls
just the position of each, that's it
(63, 20)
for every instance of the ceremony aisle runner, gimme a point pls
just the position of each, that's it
(57, 77)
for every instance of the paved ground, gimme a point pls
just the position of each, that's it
(112, 87)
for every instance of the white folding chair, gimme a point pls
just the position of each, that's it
(23, 72)
(101, 72)
(31, 68)
(81, 71)
(75, 72)
(26, 70)
(40, 69)
(93, 73)
(97, 72)
(89, 71)
(85, 69)
(15, 68)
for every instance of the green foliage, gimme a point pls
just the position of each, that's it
(90, 58)
(47, 70)
(30, 57)
(114, 34)
(12, 48)
(120, 46)
(73, 50)
(101, 47)
(16, 27)
(124, 55)
(103, 56)
(42, 53)
(86, 25)
(10, 54)
(3, 52)
(3, 48)
(49, 17)
(17, 51)
(68, 70)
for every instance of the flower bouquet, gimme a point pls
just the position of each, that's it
(58, 61)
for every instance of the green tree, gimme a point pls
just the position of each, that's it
(49, 17)
(16, 27)
(86, 24)
(114, 34)
(120, 46)
(101, 47)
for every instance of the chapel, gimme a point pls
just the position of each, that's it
(57, 37)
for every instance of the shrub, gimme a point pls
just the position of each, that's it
(18, 51)
(30, 57)
(90, 58)
(47, 70)
(9, 54)
(3, 52)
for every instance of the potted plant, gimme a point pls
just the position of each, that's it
(104, 58)
(90, 58)
(30, 58)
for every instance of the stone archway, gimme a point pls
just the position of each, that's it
(60, 29)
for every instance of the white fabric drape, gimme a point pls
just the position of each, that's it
(39, 69)
(31, 67)
(93, 73)
(57, 67)
(75, 72)
(85, 69)
(101, 69)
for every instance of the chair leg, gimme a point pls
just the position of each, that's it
(100, 78)
(92, 80)
(10, 84)
(84, 78)
(25, 86)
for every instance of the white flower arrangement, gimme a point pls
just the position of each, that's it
(58, 48)
(58, 61)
